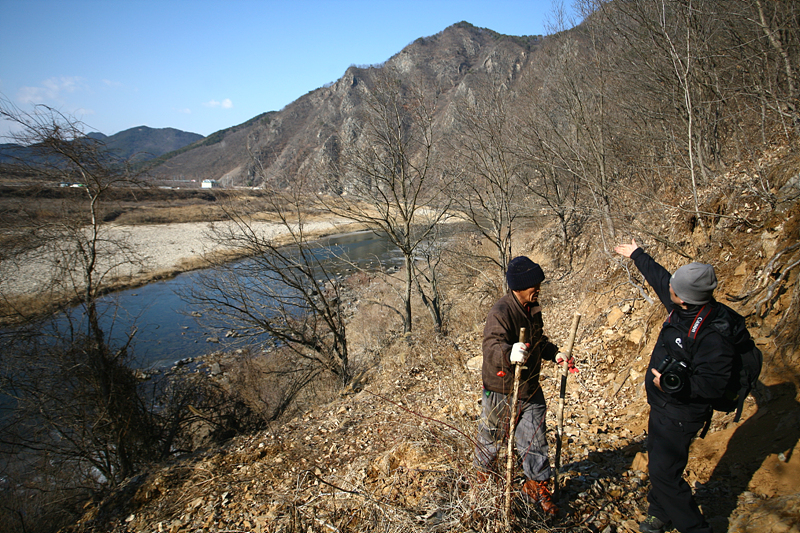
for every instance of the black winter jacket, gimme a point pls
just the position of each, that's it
(712, 362)
(505, 319)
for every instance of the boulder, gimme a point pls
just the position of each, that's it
(475, 363)
(639, 463)
(614, 316)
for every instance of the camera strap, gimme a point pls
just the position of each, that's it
(698, 320)
(693, 331)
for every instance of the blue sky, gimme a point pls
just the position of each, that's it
(205, 65)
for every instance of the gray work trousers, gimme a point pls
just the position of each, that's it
(529, 434)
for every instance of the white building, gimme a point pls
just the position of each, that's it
(209, 184)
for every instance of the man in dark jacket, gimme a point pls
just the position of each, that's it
(519, 308)
(677, 416)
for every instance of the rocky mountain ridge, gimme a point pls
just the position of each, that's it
(307, 130)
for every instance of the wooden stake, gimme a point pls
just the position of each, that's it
(561, 397)
(512, 425)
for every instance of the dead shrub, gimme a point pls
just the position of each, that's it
(271, 384)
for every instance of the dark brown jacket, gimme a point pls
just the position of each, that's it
(500, 333)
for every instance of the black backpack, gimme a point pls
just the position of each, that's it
(747, 360)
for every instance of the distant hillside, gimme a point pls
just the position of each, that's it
(143, 144)
(11, 152)
(136, 144)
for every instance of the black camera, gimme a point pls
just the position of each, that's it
(674, 374)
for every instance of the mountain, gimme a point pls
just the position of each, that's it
(10, 152)
(136, 144)
(143, 143)
(292, 139)
(611, 143)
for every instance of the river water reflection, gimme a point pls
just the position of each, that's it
(167, 332)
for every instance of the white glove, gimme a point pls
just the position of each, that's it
(519, 353)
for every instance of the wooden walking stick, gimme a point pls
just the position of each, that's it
(512, 424)
(561, 397)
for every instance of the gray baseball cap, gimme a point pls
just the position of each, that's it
(694, 283)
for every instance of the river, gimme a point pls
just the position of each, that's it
(166, 331)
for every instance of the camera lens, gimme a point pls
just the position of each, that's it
(671, 382)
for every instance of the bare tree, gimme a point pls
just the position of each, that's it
(490, 191)
(571, 125)
(75, 397)
(549, 179)
(389, 173)
(679, 41)
(766, 37)
(680, 58)
(283, 294)
(779, 23)
(428, 276)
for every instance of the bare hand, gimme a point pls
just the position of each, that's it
(657, 379)
(626, 249)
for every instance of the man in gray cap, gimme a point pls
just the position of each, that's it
(501, 351)
(680, 404)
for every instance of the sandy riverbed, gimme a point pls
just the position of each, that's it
(160, 250)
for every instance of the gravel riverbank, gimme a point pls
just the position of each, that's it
(158, 251)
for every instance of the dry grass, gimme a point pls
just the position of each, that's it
(122, 206)
(267, 383)
(394, 456)
(137, 215)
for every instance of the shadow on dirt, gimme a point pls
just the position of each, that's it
(602, 483)
(773, 429)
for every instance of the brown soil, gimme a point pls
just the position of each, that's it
(394, 451)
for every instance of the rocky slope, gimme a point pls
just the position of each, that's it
(393, 452)
(395, 455)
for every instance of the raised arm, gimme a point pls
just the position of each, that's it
(656, 275)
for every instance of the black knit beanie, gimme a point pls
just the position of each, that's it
(522, 273)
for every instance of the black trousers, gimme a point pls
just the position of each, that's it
(670, 496)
